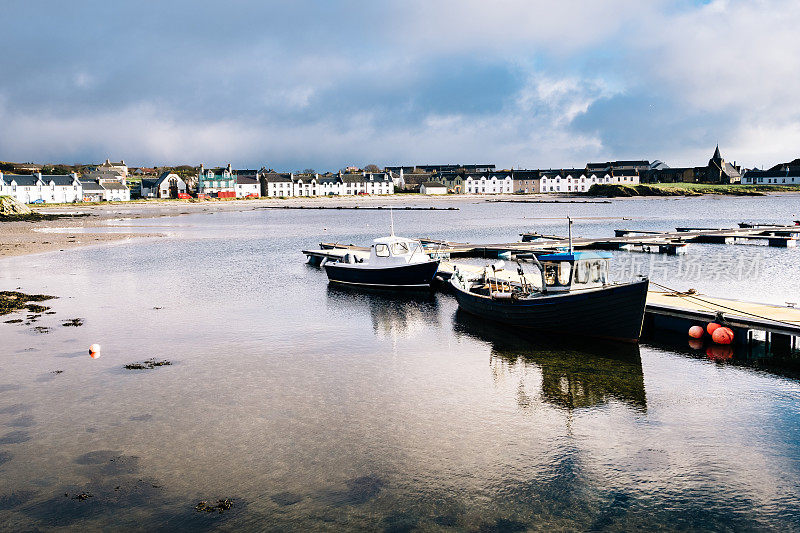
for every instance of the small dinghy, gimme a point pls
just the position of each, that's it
(572, 296)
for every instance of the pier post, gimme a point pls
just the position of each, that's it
(781, 343)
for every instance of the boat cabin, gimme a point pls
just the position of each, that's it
(576, 270)
(397, 250)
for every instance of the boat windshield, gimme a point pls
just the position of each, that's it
(400, 248)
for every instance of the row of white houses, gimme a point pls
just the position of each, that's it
(533, 181)
(581, 181)
(68, 188)
(276, 184)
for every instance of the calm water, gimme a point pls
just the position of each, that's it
(316, 408)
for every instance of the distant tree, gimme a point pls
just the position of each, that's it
(372, 168)
(56, 169)
(309, 171)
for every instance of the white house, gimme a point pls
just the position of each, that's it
(61, 189)
(366, 183)
(488, 184)
(92, 191)
(771, 177)
(28, 188)
(247, 187)
(167, 185)
(276, 184)
(432, 187)
(115, 191)
(305, 185)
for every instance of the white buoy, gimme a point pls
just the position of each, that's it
(94, 351)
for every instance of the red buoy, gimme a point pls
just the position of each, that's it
(722, 335)
(711, 327)
(696, 332)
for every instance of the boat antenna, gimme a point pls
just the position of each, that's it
(391, 218)
(569, 223)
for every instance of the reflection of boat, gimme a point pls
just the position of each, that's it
(572, 297)
(575, 373)
(390, 311)
(393, 262)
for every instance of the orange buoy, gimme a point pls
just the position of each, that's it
(696, 332)
(94, 351)
(722, 335)
(711, 327)
(696, 344)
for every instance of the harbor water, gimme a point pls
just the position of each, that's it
(316, 408)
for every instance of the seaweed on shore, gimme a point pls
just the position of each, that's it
(147, 365)
(39, 217)
(11, 301)
(73, 322)
(221, 506)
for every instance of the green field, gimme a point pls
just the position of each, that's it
(686, 189)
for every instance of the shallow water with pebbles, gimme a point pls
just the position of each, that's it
(291, 404)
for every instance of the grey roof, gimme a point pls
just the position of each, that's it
(755, 173)
(524, 174)
(114, 185)
(328, 179)
(164, 175)
(246, 180)
(574, 172)
(624, 173)
(91, 186)
(432, 184)
(150, 183)
(23, 180)
(276, 177)
(638, 163)
(61, 180)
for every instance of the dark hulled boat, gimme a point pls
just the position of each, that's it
(394, 262)
(574, 298)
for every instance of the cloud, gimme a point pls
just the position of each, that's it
(304, 84)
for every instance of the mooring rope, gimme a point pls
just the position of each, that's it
(717, 305)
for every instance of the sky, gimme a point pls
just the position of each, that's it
(302, 84)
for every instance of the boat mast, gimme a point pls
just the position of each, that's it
(391, 218)
(569, 223)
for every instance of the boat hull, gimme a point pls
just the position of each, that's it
(614, 312)
(399, 276)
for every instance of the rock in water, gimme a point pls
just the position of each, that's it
(9, 206)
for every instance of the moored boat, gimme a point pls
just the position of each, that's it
(394, 262)
(572, 297)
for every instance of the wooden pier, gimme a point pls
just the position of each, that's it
(670, 242)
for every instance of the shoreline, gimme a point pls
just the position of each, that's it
(18, 238)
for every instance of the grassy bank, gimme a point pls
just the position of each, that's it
(686, 189)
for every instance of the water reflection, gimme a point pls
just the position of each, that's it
(757, 355)
(392, 312)
(574, 373)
